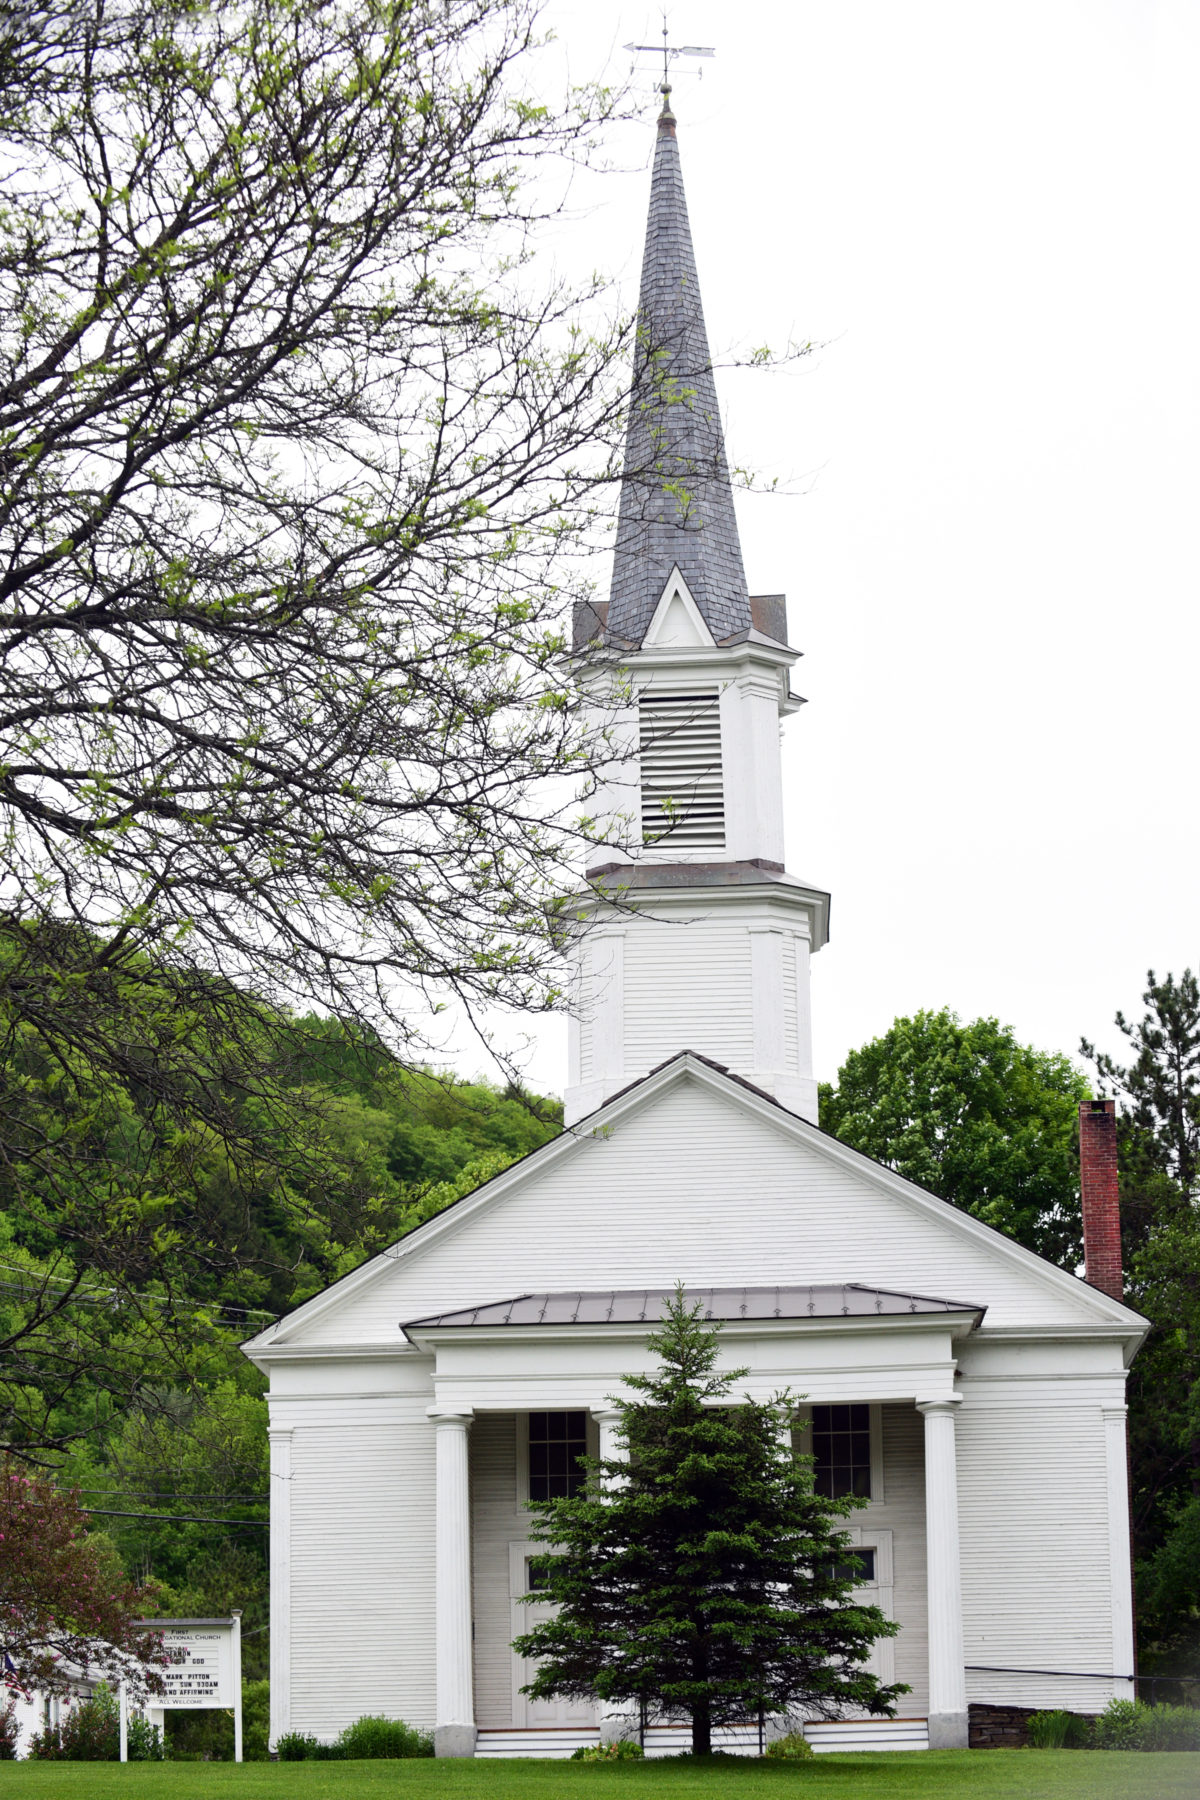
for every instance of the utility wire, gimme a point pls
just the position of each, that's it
(107, 1512)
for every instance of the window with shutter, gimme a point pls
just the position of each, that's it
(683, 799)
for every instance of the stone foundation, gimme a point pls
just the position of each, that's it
(999, 1727)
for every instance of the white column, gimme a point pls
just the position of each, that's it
(1116, 1456)
(617, 1719)
(947, 1677)
(280, 1439)
(612, 1449)
(124, 1704)
(454, 1734)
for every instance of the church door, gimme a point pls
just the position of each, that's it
(531, 1713)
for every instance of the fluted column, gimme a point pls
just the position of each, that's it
(454, 1734)
(617, 1718)
(947, 1677)
(612, 1449)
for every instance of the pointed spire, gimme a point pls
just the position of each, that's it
(676, 499)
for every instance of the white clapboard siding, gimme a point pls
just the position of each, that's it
(852, 1735)
(902, 1512)
(667, 1008)
(700, 1188)
(497, 1519)
(1035, 1561)
(362, 1599)
(559, 1741)
(682, 782)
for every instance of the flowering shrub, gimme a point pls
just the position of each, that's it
(64, 1598)
(8, 1730)
(623, 1750)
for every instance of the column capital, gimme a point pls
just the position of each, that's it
(946, 1403)
(451, 1415)
(607, 1415)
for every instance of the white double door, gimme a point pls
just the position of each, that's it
(531, 1713)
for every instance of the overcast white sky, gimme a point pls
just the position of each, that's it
(985, 215)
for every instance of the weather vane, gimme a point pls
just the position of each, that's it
(669, 53)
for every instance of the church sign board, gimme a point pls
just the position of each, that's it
(199, 1671)
(203, 1669)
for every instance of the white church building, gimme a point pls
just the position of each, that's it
(970, 1392)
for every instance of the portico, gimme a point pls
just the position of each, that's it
(567, 1354)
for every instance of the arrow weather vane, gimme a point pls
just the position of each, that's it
(669, 52)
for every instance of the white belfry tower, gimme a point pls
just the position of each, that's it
(696, 938)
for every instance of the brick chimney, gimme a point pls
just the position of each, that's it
(1098, 1191)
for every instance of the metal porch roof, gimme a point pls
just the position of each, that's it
(629, 1306)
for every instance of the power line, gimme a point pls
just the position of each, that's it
(106, 1296)
(107, 1512)
(168, 1494)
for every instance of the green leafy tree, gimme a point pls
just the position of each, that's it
(295, 450)
(969, 1113)
(1158, 1142)
(296, 456)
(705, 1577)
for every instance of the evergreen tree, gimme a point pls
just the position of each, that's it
(1158, 1141)
(703, 1576)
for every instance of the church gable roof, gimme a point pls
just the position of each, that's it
(692, 1175)
(676, 499)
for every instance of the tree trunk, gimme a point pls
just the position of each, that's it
(701, 1729)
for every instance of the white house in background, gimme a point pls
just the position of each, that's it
(973, 1393)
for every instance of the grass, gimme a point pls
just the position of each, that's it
(933, 1775)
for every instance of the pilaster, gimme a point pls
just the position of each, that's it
(1116, 1458)
(280, 1441)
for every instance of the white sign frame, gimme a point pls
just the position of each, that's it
(210, 1652)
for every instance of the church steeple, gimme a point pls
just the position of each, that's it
(676, 501)
(691, 935)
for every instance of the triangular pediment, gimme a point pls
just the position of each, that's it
(678, 623)
(692, 1175)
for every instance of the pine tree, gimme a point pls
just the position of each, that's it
(703, 1576)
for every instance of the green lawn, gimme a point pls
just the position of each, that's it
(942, 1775)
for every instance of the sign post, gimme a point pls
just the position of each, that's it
(204, 1668)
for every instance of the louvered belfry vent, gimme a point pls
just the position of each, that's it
(683, 798)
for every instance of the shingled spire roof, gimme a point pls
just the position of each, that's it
(676, 500)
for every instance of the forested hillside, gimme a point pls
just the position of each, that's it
(152, 1221)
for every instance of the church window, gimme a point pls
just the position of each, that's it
(557, 1443)
(683, 796)
(861, 1573)
(841, 1447)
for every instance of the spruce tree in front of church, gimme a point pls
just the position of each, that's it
(703, 1577)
